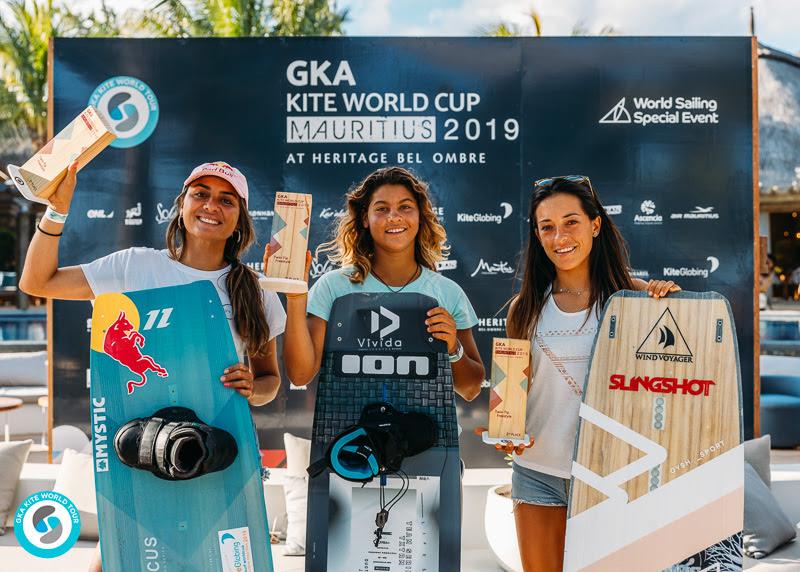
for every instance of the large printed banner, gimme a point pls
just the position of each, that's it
(662, 126)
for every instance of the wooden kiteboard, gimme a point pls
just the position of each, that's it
(657, 481)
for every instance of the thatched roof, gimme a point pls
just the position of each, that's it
(779, 127)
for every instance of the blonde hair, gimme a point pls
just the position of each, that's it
(352, 243)
(241, 282)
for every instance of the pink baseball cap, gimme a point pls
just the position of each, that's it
(223, 171)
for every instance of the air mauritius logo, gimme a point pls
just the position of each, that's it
(129, 106)
(665, 342)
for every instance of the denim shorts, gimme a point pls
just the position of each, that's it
(532, 487)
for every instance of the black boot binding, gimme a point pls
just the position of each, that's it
(174, 445)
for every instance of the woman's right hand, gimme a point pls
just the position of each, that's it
(508, 448)
(61, 199)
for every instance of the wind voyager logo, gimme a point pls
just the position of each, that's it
(706, 213)
(130, 107)
(665, 342)
(47, 524)
(494, 218)
(649, 215)
(664, 110)
(693, 271)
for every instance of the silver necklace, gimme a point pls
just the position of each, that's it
(560, 290)
(393, 291)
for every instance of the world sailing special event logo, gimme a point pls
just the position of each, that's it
(47, 524)
(663, 110)
(129, 106)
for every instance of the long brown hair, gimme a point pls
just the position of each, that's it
(608, 260)
(352, 243)
(241, 282)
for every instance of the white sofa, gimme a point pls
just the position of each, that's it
(476, 555)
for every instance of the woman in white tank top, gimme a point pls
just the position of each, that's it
(576, 259)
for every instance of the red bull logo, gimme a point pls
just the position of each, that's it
(124, 343)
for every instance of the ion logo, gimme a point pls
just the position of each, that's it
(387, 365)
(375, 322)
(129, 106)
(47, 524)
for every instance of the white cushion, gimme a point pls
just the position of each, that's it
(23, 368)
(75, 480)
(13, 455)
(295, 487)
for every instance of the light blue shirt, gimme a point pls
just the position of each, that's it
(336, 284)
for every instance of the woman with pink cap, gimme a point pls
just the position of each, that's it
(205, 240)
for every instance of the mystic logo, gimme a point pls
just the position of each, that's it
(234, 545)
(486, 269)
(99, 213)
(318, 269)
(47, 524)
(133, 216)
(130, 108)
(664, 111)
(164, 214)
(487, 217)
(704, 213)
(693, 272)
(387, 365)
(123, 343)
(648, 216)
(665, 342)
(661, 384)
(375, 321)
(100, 435)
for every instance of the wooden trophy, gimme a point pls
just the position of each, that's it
(82, 139)
(508, 396)
(289, 243)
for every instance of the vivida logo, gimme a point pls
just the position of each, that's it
(661, 384)
(665, 342)
(100, 435)
(375, 321)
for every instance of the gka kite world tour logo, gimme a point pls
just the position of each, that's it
(47, 524)
(129, 106)
(664, 110)
(665, 342)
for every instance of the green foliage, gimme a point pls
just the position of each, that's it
(306, 18)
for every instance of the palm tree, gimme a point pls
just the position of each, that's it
(507, 29)
(187, 18)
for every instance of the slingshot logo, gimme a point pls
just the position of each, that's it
(47, 524)
(617, 114)
(129, 106)
(375, 322)
(164, 214)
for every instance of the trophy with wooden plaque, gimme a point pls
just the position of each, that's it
(82, 139)
(288, 245)
(508, 396)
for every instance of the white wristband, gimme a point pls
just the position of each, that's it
(55, 216)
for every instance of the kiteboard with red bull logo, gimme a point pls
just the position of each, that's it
(658, 475)
(157, 351)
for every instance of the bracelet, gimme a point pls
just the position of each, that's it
(55, 216)
(47, 233)
(297, 295)
(459, 353)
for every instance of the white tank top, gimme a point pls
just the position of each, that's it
(560, 352)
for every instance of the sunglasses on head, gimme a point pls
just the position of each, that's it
(549, 182)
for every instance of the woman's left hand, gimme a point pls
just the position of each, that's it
(239, 378)
(442, 326)
(660, 288)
